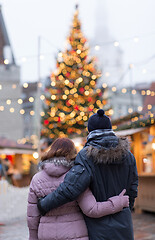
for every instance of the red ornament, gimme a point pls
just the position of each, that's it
(46, 122)
(59, 120)
(76, 107)
(90, 109)
(81, 90)
(89, 99)
(67, 74)
(71, 39)
(59, 91)
(67, 103)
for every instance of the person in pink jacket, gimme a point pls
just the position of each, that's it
(65, 222)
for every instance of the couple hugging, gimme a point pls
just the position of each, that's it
(84, 196)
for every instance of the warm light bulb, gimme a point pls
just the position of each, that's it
(97, 47)
(116, 44)
(25, 85)
(6, 61)
(31, 99)
(35, 155)
(20, 101)
(1, 108)
(22, 111)
(42, 97)
(124, 90)
(8, 101)
(12, 110)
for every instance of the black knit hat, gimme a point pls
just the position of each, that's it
(99, 121)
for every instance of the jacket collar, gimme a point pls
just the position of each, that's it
(105, 147)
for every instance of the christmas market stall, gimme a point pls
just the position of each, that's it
(18, 162)
(140, 129)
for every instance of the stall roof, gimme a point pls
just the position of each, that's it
(7, 143)
(13, 151)
(128, 132)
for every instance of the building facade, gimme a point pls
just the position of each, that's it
(11, 121)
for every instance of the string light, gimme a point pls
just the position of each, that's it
(136, 39)
(32, 113)
(25, 85)
(116, 44)
(114, 89)
(144, 71)
(23, 59)
(12, 110)
(134, 92)
(8, 101)
(104, 85)
(130, 110)
(22, 111)
(1, 108)
(6, 61)
(140, 108)
(14, 86)
(124, 90)
(97, 47)
(42, 57)
(31, 99)
(42, 97)
(107, 74)
(20, 101)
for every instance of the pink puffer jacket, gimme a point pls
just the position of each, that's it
(65, 222)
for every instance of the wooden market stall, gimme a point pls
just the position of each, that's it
(143, 148)
(22, 164)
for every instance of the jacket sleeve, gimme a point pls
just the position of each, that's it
(91, 208)
(33, 214)
(134, 184)
(75, 182)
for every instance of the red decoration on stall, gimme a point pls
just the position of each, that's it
(59, 120)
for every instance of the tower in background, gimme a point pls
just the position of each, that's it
(103, 46)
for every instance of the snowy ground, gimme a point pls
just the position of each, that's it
(13, 202)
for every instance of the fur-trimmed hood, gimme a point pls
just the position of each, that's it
(56, 166)
(105, 147)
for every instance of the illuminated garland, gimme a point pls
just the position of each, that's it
(134, 120)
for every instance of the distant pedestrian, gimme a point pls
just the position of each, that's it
(106, 165)
(65, 222)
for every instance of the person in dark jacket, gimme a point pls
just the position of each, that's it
(106, 165)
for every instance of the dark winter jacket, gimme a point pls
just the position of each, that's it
(107, 166)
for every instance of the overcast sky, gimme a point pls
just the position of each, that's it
(51, 19)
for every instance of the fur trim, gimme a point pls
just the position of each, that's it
(57, 161)
(109, 155)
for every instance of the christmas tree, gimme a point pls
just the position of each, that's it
(73, 95)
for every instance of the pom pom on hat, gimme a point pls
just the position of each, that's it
(100, 112)
(99, 121)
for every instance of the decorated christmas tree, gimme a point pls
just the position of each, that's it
(73, 95)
